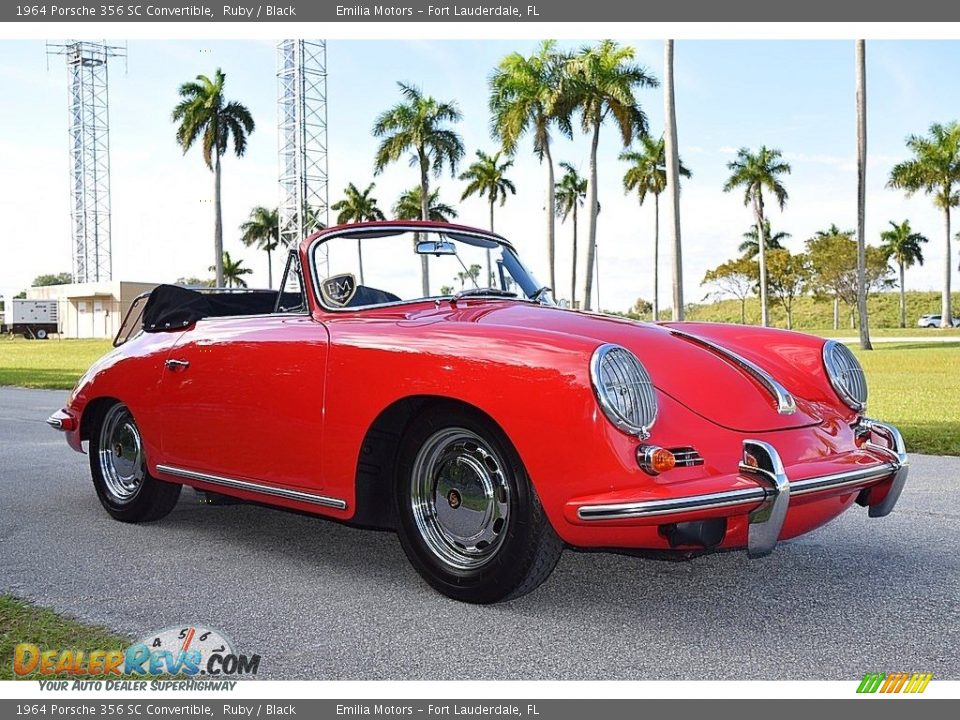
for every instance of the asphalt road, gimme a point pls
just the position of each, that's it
(319, 600)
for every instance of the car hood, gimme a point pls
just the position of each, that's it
(701, 379)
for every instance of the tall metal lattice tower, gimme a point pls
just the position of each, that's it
(302, 118)
(89, 133)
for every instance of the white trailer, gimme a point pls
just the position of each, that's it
(34, 319)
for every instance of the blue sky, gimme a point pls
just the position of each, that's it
(793, 95)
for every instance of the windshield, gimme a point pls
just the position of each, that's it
(377, 266)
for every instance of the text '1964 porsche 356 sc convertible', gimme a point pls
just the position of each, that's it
(415, 376)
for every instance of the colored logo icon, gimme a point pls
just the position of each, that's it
(894, 682)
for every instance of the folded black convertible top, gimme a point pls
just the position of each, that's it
(173, 306)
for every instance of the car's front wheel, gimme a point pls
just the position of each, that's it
(118, 464)
(469, 519)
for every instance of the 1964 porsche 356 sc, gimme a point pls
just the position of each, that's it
(415, 376)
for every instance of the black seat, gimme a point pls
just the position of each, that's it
(371, 296)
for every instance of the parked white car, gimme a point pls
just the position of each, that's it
(933, 321)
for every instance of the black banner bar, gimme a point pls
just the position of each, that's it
(482, 11)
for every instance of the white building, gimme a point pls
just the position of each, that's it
(91, 310)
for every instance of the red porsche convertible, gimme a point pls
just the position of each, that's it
(415, 376)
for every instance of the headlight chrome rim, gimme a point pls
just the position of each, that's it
(831, 350)
(609, 409)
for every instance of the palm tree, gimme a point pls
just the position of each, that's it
(487, 176)
(903, 246)
(647, 175)
(750, 247)
(410, 207)
(601, 83)
(755, 172)
(524, 93)
(471, 273)
(934, 169)
(233, 271)
(570, 193)
(357, 206)
(673, 176)
(419, 126)
(204, 112)
(861, 97)
(263, 230)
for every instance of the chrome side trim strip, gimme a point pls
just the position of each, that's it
(670, 506)
(785, 402)
(254, 487)
(54, 422)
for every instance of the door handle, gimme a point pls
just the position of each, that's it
(176, 364)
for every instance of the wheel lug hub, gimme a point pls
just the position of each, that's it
(454, 499)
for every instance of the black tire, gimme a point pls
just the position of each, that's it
(508, 562)
(125, 488)
(42, 334)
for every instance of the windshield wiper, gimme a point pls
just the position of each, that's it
(479, 291)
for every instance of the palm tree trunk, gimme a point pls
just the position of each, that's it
(862, 194)
(551, 220)
(424, 215)
(592, 214)
(946, 318)
(269, 269)
(762, 257)
(903, 298)
(489, 268)
(656, 257)
(673, 176)
(836, 312)
(217, 221)
(573, 279)
(743, 311)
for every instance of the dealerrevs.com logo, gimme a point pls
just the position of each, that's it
(902, 682)
(190, 652)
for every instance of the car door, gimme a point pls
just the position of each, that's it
(242, 399)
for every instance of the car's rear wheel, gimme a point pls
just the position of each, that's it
(118, 464)
(469, 519)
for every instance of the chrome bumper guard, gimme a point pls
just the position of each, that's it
(762, 463)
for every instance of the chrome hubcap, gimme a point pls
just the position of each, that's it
(460, 498)
(121, 455)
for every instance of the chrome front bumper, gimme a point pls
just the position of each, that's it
(762, 463)
(62, 420)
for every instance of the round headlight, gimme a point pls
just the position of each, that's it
(845, 374)
(624, 389)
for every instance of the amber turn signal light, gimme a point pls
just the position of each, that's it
(654, 459)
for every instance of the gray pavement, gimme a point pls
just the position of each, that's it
(323, 601)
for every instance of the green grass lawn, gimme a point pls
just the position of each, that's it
(22, 622)
(915, 386)
(890, 332)
(52, 364)
(810, 315)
